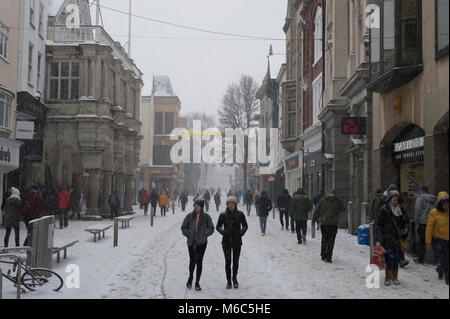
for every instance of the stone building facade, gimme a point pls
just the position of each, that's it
(91, 137)
(409, 82)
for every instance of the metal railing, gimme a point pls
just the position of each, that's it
(95, 34)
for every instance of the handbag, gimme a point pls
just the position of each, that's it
(404, 243)
(378, 257)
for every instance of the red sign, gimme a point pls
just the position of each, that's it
(271, 178)
(353, 126)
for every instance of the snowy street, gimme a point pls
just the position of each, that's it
(153, 263)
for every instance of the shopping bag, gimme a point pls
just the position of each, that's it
(378, 257)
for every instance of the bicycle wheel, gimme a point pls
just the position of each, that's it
(42, 279)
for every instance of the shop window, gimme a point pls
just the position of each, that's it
(441, 28)
(395, 44)
(318, 35)
(64, 80)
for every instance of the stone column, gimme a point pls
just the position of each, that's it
(119, 188)
(129, 192)
(106, 191)
(93, 187)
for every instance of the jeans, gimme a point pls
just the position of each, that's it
(183, 206)
(300, 228)
(284, 213)
(63, 218)
(145, 209)
(217, 206)
(393, 258)
(163, 210)
(249, 207)
(16, 235)
(234, 250)
(329, 233)
(154, 210)
(440, 248)
(263, 223)
(196, 253)
(421, 242)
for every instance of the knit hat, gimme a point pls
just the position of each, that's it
(200, 202)
(232, 199)
(393, 193)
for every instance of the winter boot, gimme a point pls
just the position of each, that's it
(229, 284)
(446, 278)
(197, 286)
(440, 272)
(395, 277)
(388, 278)
(235, 283)
(189, 283)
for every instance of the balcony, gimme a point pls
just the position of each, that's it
(94, 35)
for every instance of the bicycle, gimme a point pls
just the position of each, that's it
(33, 278)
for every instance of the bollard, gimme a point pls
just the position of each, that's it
(371, 242)
(116, 231)
(19, 273)
(152, 211)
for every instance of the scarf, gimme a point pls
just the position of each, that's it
(396, 211)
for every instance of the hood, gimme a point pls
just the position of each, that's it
(442, 196)
(392, 187)
(15, 193)
(285, 192)
(429, 198)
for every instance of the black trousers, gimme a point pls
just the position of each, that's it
(145, 209)
(217, 206)
(284, 213)
(75, 210)
(231, 252)
(16, 235)
(329, 233)
(249, 207)
(301, 227)
(63, 217)
(183, 206)
(196, 253)
(163, 210)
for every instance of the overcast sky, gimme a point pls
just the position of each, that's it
(200, 69)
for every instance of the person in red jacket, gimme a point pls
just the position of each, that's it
(32, 207)
(145, 200)
(64, 204)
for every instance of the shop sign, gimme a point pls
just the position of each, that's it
(271, 178)
(9, 153)
(292, 163)
(25, 130)
(353, 126)
(410, 150)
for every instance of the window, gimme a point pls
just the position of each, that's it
(159, 123)
(5, 107)
(161, 155)
(3, 41)
(317, 98)
(168, 122)
(30, 63)
(318, 35)
(292, 119)
(395, 44)
(39, 63)
(41, 22)
(441, 28)
(64, 80)
(32, 5)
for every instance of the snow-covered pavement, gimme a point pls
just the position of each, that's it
(152, 262)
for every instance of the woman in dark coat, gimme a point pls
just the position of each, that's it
(32, 207)
(13, 216)
(197, 227)
(391, 226)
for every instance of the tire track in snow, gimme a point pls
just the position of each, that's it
(163, 292)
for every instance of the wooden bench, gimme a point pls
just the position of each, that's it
(98, 229)
(125, 220)
(57, 250)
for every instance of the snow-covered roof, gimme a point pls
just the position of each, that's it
(162, 86)
(54, 6)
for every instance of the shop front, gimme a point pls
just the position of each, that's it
(312, 174)
(293, 172)
(9, 160)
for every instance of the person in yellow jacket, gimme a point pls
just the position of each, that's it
(436, 235)
(163, 202)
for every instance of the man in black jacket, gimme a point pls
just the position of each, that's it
(284, 205)
(197, 227)
(232, 225)
(154, 198)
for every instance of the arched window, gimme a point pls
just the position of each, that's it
(318, 35)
